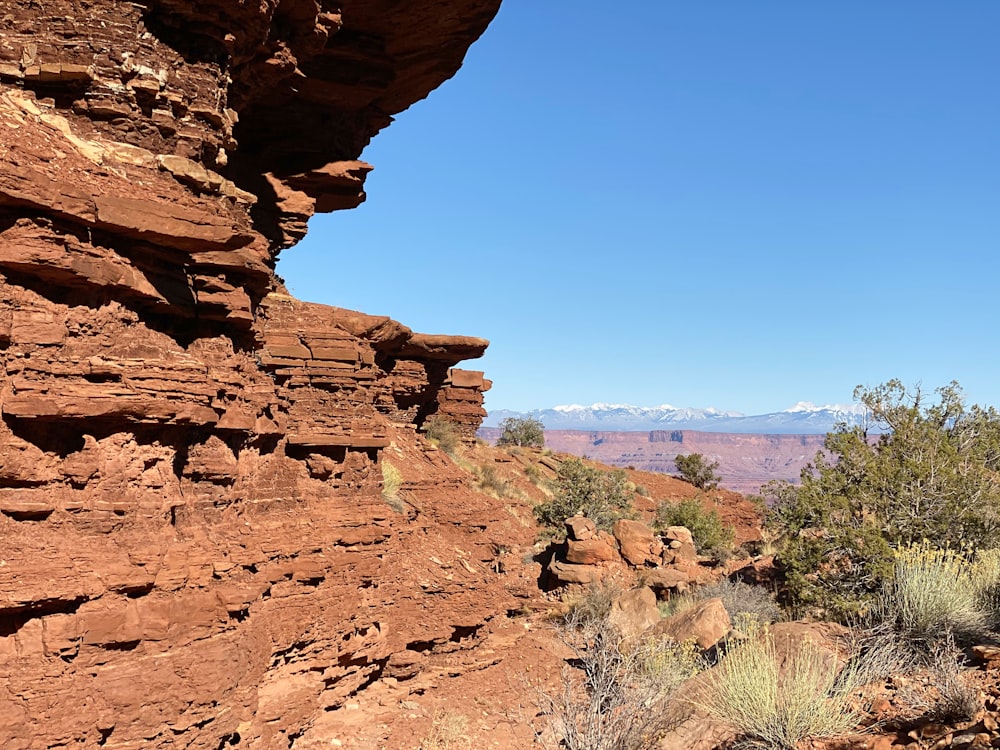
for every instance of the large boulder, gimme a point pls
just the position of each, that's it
(638, 545)
(563, 573)
(590, 551)
(669, 580)
(706, 623)
(634, 612)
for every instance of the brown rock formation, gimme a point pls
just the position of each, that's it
(195, 550)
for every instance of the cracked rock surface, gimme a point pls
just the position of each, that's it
(195, 549)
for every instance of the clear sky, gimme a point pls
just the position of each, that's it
(717, 203)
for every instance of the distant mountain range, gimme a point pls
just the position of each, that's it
(804, 418)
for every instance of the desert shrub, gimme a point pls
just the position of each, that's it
(933, 473)
(748, 606)
(641, 490)
(444, 434)
(958, 698)
(694, 468)
(621, 695)
(590, 604)
(582, 490)
(986, 579)
(775, 704)
(931, 598)
(526, 432)
(712, 536)
(392, 480)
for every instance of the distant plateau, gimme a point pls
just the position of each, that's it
(746, 461)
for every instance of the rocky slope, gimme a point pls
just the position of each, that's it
(195, 549)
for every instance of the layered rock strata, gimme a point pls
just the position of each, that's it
(195, 549)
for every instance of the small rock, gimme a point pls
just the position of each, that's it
(580, 529)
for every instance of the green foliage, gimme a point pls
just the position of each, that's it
(527, 432)
(933, 473)
(582, 490)
(775, 703)
(444, 434)
(711, 535)
(695, 469)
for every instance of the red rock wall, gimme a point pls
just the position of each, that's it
(195, 551)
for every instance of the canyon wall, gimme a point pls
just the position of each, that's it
(195, 550)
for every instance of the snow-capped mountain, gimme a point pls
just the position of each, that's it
(804, 418)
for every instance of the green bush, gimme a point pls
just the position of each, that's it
(933, 473)
(776, 705)
(696, 470)
(526, 432)
(582, 490)
(444, 434)
(712, 536)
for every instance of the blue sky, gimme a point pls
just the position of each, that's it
(723, 203)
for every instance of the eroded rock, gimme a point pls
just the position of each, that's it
(189, 458)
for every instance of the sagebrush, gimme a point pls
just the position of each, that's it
(773, 703)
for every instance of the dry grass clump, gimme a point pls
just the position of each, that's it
(444, 434)
(535, 475)
(747, 605)
(392, 480)
(958, 699)
(489, 481)
(590, 604)
(776, 705)
(934, 599)
(448, 732)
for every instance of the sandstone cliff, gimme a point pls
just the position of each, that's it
(195, 552)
